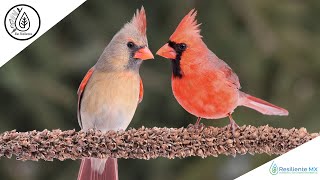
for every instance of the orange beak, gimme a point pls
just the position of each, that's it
(143, 54)
(167, 52)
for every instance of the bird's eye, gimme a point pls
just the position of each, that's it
(182, 46)
(130, 44)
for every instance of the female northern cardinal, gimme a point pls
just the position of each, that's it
(203, 84)
(111, 90)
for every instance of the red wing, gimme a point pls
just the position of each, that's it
(80, 92)
(141, 91)
(231, 76)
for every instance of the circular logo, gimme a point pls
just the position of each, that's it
(22, 22)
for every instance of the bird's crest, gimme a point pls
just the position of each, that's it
(187, 27)
(139, 20)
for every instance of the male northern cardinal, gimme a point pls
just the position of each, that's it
(111, 90)
(203, 84)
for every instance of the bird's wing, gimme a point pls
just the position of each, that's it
(81, 90)
(231, 76)
(141, 91)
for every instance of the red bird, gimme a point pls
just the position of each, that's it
(203, 84)
(111, 90)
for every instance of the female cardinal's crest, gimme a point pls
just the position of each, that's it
(140, 21)
(187, 27)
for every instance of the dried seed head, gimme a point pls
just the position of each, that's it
(150, 143)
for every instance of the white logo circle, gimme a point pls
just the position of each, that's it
(22, 22)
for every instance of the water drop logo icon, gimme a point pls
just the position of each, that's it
(273, 168)
(22, 22)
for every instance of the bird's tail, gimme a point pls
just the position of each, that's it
(260, 105)
(98, 169)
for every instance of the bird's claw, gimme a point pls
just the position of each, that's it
(196, 126)
(233, 126)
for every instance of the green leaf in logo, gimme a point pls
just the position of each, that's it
(273, 168)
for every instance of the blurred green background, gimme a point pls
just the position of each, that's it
(273, 46)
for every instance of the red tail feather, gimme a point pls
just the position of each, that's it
(260, 105)
(110, 171)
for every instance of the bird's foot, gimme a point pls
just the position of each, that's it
(233, 126)
(197, 125)
(198, 121)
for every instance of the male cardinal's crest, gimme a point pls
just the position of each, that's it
(188, 27)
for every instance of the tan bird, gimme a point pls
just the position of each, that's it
(111, 91)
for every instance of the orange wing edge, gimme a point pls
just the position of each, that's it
(141, 91)
(80, 92)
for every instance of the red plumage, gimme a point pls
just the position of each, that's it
(203, 84)
(80, 91)
(141, 91)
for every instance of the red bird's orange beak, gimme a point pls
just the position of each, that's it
(143, 54)
(167, 52)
